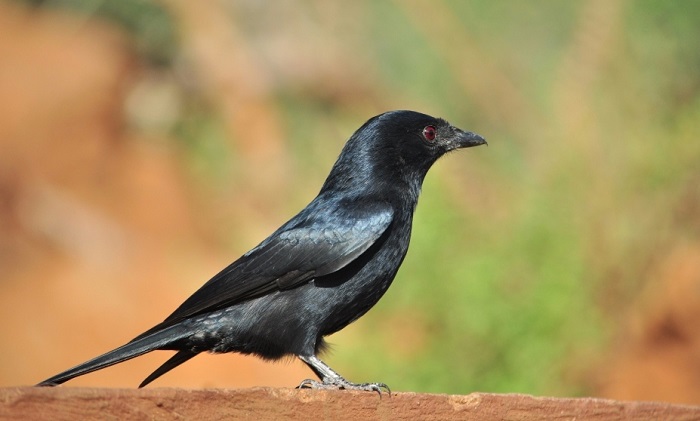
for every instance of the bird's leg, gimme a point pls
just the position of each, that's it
(332, 380)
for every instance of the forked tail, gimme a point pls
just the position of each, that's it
(139, 346)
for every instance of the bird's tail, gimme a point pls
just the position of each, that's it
(139, 346)
(173, 362)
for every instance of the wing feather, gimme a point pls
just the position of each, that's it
(310, 245)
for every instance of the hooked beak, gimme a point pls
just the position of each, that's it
(462, 139)
(469, 139)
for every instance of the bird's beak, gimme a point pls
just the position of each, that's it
(468, 139)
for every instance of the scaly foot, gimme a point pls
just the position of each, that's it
(341, 383)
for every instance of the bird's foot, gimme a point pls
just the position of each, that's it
(341, 383)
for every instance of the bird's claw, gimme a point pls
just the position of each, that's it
(342, 384)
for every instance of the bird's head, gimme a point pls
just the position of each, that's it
(397, 147)
(418, 140)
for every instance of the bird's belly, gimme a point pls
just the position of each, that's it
(271, 327)
(288, 322)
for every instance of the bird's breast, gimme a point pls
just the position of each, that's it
(349, 293)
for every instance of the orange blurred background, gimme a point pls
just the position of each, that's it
(103, 231)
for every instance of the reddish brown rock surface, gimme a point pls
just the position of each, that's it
(288, 404)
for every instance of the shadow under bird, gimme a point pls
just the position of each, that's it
(317, 273)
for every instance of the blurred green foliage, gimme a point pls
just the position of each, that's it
(150, 26)
(525, 254)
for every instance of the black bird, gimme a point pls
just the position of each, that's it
(318, 272)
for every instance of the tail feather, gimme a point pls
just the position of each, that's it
(141, 345)
(173, 362)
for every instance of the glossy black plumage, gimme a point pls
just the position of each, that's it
(318, 272)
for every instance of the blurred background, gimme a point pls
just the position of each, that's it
(144, 145)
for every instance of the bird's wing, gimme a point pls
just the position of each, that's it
(312, 246)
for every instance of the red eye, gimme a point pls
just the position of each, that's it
(429, 133)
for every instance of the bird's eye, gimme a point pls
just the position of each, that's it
(429, 133)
